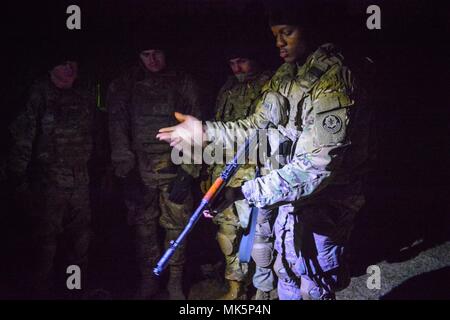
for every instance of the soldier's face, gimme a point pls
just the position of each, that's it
(67, 69)
(242, 67)
(289, 39)
(153, 60)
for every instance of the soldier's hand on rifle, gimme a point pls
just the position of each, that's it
(225, 199)
(209, 213)
(189, 130)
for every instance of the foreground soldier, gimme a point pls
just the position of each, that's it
(52, 143)
(319, 190)
(236, 100)
(139, 102)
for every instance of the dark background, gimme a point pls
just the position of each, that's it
(406, 190)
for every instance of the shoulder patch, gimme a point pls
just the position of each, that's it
(332, 123)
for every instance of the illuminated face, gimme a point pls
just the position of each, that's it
(289, 39)
(153, 60)
(242, 67)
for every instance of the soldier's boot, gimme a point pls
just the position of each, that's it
(266, 295)
(147, 252)
(148, 287)
(175, 283)
(237, 290)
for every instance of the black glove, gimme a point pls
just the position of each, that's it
(226, 198)
(180, 187)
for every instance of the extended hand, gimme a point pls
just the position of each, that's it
(189, 130)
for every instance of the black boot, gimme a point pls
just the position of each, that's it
(175, 284)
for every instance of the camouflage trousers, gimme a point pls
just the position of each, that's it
(311, 242)
(148, 206)
(60, 219)
(232, 222)
(263, 252)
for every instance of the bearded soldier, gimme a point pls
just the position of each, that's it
(156, 190)
(313, 101)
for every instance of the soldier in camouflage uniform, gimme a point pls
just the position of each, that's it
(236, 101)
(155, 189)
(52, 143)
(317, 106)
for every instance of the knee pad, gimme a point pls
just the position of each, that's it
(226, 236)
(262, 254)
(225, 243)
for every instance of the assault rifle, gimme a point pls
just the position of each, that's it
(209, 196)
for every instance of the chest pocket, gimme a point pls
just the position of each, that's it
(65, 130)
(72, 117)
(73, 128)
(331, 119)
(153, 99)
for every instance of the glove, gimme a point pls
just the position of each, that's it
(225, 199)
(180, 187)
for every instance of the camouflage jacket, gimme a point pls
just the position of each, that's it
(52, 140)
(236, 101)
(141, 102)
(313, 105)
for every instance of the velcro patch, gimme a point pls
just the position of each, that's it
(329, 127)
